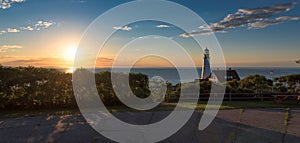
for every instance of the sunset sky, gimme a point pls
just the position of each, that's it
(252, 33)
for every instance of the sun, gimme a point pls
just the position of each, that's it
(69, 55)
(70, 52)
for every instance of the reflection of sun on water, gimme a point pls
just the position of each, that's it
(69, 56)
(69, 70)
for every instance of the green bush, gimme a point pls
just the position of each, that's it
(42, 88)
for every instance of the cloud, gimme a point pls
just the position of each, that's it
(246, 16)
(13, 30)
(202, 32)
(278, 20)
(36, 26)
(6, 48)
(29, 28)
(54, 62)
(39, 25)
(251, 18)
(39, 62)
(5, 4)
(43, 25)
(162, 26)
(196, 33)
(17, 0)
(125, 28)
(2, 32)
(83, 1)
(79, 1)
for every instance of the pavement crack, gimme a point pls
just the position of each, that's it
(196, 129)
(151, 118)
(234, 135)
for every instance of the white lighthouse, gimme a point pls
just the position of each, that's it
(206, 71)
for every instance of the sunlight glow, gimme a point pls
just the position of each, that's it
(70, 53)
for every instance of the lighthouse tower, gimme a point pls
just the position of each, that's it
(206, 71)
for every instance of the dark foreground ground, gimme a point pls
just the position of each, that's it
(235, 125)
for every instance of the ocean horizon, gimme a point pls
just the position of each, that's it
(171, 75)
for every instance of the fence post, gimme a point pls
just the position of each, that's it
(262, 96)
(230, 96)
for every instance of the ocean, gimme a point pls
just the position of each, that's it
(171, 74)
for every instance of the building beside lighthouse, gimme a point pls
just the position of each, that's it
(206, 71)
(216, 75)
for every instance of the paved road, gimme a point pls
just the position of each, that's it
(238, 126)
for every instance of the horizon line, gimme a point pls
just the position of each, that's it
(52, 67)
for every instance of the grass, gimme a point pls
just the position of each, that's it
(32, 113)
(245, 105)
(286, 116)
(286, 121)
(258, 104)
(163, 107)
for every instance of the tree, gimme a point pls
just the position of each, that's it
(289, 83)
(232, 86)
(257, 83)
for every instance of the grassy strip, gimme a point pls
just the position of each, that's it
(164, 107)
(286, 121)
(244, 105)
(258, 104)
(32, 113)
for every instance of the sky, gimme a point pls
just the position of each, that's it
(252, 33)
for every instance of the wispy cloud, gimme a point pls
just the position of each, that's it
(13, 30)
(54, 62)
(104, 61)
(278, 20)
(43, 25)
(29, 28)
(2, 32)
(196, 33)
(6, 48)
(18, 0)
(83, 1)
(39, 62)
(39, 25)
(79, 1)
(125, 28)
(251, 18)
(5, 4)
(162, 26)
